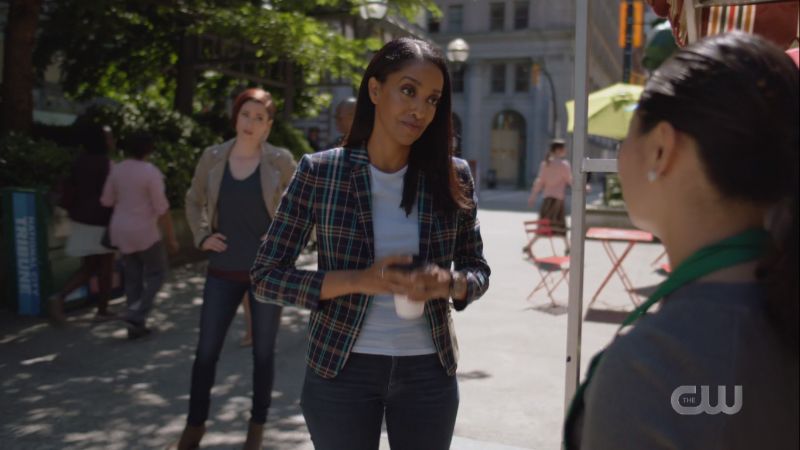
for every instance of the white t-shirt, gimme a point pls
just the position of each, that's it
(383, 332)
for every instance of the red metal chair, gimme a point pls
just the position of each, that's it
(553, 269)
(542, 228)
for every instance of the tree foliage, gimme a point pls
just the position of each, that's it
(113, 48)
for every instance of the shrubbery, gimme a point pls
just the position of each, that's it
(290, 138)
(179, 139)
(39, 162)
(33, 163)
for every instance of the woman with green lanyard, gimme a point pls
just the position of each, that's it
(710, 166)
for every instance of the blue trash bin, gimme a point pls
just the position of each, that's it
(27, 268)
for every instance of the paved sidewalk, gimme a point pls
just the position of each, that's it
(87, 387)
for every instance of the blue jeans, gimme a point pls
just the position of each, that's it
(221, 298)
(144, 275)
(418, 398)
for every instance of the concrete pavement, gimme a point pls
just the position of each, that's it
(87, 387)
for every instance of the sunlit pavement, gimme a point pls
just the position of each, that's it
(87, 387)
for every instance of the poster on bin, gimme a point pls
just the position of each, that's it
(26, 252)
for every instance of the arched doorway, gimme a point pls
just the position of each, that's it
(457, 135)
(508, 148)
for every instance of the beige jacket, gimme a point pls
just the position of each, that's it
(277, 168)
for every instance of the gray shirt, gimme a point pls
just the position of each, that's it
(706, 334)
(242, 218)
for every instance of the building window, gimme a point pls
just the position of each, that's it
(521, 13)
(522, 77)
(455, 18)
(434, 23)
(497, 16)
(457, 79)
(498, 78)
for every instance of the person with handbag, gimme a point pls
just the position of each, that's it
(135, 189)
(381, 343)
(235, 191)
(80, 196)
(710, 166)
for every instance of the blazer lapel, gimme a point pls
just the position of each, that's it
(215, 181)
(269, 177)
(425, 211)
(362, 191)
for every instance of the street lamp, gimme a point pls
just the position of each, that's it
(457, 51)
(457, 54)
(538, 68)
(373, 9)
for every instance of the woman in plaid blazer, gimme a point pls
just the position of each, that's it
(394, 190)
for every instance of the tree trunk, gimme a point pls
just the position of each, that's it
(18, 76)
(186, 80)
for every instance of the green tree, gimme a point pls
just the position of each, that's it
(187, 50)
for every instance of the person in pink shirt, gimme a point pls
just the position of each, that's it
(135, 189)
(552, 180)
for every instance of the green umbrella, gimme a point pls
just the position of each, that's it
(610, 110)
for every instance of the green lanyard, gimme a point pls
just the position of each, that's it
(741, 248)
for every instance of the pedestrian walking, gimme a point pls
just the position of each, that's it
(135, 189)
(381, 338)
(555, 175)
(710, 158)
(80, 196)
(236, 188)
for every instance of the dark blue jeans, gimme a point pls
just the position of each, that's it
(221, 298)
(415, 393)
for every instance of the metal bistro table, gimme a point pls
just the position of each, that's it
(607, 236)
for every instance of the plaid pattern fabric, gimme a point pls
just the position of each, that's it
(331, 191)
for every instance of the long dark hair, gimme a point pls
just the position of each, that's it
(93, 137)
(432, 153)
(737, 95)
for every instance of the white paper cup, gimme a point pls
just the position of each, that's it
(408, 309)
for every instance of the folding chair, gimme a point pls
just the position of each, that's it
(660, 257)
(542, 228)
(553, 269)
(552, 266)
(664, 267)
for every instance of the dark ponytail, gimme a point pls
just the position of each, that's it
(555, 145)
(736, 94)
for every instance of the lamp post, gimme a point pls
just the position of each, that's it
(457, 53)
(373, 9)
(539, 68)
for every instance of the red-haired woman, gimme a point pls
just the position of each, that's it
(235, 191)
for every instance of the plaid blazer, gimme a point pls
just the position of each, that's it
(331, 191)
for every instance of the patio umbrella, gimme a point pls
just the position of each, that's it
(610, 110)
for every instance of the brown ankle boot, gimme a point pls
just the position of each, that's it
(190, 438)
(255, 432)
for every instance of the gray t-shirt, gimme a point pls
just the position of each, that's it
(243, 218)
(706, 334)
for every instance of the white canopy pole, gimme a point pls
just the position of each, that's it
(578, 222)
